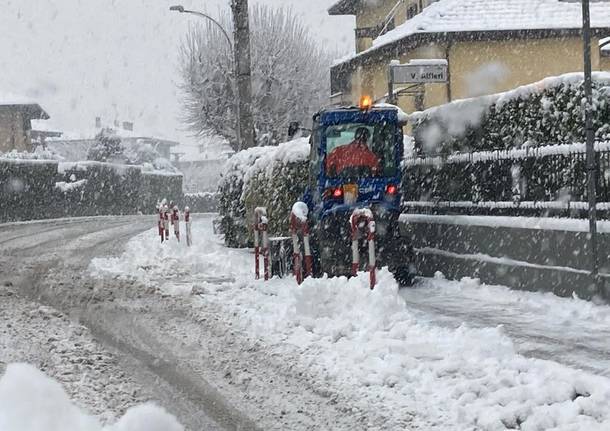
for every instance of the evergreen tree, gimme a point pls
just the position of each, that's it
(107, 148)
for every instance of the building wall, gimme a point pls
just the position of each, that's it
(604, 63)
(14, 130)
(375, 14)
(478, 68)
(489, 67)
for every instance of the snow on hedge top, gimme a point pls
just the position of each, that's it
(239, 163)
(247, 163)
(118, 168)
(38, 156)
(475, 106)
(288, 152)
(447, 16)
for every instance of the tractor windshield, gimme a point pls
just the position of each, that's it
(361, 150)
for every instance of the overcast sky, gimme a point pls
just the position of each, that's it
(116, 58)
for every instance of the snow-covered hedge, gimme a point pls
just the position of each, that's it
(27, 188)
(543, 113)
(271, 177)
(155, 185)
(108, 189)
(276, 181)
(231, 207)
(37, 189)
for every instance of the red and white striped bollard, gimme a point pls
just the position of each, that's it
(187, 226)
(261, 233)
(299, 225)
(176, 222)
(161, 223)
(362, 221)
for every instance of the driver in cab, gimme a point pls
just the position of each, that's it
(354, 155)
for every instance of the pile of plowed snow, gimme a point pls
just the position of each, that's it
(31, 401)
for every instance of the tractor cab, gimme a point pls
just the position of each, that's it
(355, 164)
(355, 161)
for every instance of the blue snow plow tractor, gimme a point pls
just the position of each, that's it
(355, 165)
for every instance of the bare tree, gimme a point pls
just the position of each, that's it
(289, 77)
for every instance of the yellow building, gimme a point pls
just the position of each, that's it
(490, 45)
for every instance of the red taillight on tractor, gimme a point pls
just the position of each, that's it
(333, 193)
(391, 189)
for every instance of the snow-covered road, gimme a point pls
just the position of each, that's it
(194, 332)
(444, 355)
(44, 299)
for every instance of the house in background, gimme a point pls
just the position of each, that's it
(74, 146)
(16, 115)
(201, 163)
(490, 45)
(41, 132)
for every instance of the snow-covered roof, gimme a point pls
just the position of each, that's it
(91, 133)
(604, 45)
(455, 16)
(9, 99)
(32, 107)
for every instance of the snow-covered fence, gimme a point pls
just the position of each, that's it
(549, 111)
(487, 162)
(547, 179)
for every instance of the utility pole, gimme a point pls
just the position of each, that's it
(590, 143)
(243, 67)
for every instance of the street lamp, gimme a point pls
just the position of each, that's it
(181, 9)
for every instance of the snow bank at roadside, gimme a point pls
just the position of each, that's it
(368, 346)
(31, 401)
(372, 345)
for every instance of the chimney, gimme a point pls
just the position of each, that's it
(98, 122)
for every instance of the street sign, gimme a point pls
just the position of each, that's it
(420, 72)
